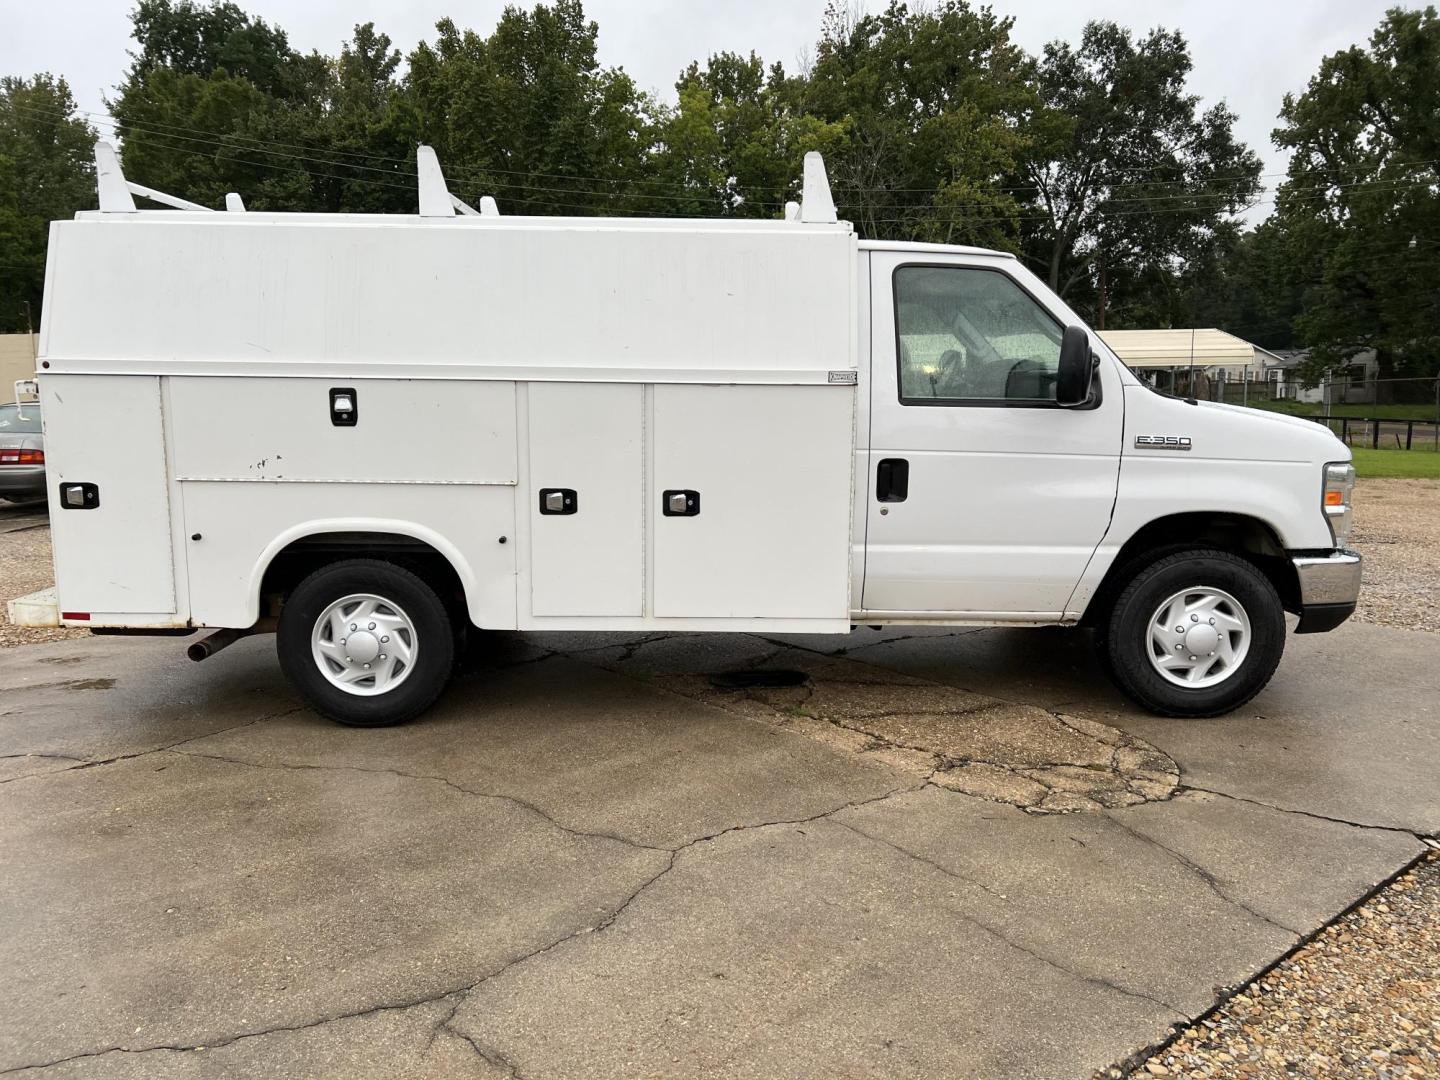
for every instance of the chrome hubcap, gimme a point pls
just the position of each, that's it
(1199, 637)
(364, 644)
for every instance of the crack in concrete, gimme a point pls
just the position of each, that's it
(999, 935)
(461, 992)
(91, 763)
(922, 859)
(1418, 835)
(1211, 881)
(215, 1044)
(434, 778)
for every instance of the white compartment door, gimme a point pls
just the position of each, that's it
(771, 467)
(108, 430)
(587, 558)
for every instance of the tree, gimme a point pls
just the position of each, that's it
(931, 99)
(47, 172)
(528, 114)
(1128, 180)
(209, 97)
(1360, 205)
(734, 144)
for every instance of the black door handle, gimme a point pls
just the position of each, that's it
(892, 480)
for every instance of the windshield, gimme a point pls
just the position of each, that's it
(13, 423)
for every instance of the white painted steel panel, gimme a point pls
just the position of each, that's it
(772, 466)
(405, 430)
(587, 437)
(499, 297)
(108, 430)
(1006, 505)
(242, 526)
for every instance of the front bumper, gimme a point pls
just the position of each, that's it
(1329, 587)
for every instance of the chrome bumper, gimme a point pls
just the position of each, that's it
(1329, 587)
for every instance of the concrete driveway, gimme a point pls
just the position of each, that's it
(944, 854)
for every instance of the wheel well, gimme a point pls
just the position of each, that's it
(1247, 537)
(299, 559)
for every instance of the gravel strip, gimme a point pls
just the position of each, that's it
(25, 565)
(1360, 1000)
(1397, 529)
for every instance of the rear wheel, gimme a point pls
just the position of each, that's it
(1194, 633)
(366, 642)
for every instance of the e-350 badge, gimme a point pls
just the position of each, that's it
(1162, 442)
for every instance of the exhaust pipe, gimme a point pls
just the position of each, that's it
(220, 639)
(209, 646)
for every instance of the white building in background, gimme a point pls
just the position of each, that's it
(1353, 383)
(1197, 359)
(17, 361)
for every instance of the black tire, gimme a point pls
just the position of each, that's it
(432, 630)
(1124, 637)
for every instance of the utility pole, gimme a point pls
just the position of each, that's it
(30, 329)
(1101, 321)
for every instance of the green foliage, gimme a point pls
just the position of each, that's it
(1421, 463)
(46, 172)
(1360, 207)
(930, 99)
(529, 115)
(1132, 183)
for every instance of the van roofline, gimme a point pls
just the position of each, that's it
(934, 249)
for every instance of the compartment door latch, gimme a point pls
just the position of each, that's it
(79, 496)
(558, 501)
(680, 503)
(344, 406)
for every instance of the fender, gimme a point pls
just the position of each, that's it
(410, 529)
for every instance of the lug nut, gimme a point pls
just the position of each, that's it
(1212, 622)
(1194, 618)
(372, 626)
(353, 627)
(348, 660)
(1179, 629)
(382, 656)
(1192, 658)
(1179, 648)
(367, 667)
(384, 638)
(342, 641)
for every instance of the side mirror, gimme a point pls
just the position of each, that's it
(1077, 367)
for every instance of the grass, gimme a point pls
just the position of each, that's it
(1398, 464)
(1424, 411)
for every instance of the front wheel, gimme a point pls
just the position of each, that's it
(1195, 633)
(367, 643)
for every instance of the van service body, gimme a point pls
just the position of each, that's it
(372, 432)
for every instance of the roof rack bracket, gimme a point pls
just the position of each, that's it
(816, 204)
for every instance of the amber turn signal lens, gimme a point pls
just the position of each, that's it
(1334, 498)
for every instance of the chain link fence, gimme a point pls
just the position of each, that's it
(1363, 410)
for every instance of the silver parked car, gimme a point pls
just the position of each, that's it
(22, 452)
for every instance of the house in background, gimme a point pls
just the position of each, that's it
(1354, 383)
(1203, 362)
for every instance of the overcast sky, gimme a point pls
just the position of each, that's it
(1246, 52)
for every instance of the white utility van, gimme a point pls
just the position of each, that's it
(369, 433)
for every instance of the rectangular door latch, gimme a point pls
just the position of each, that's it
(344, 406)
(681, 503)
(79, 496)
(558, 501)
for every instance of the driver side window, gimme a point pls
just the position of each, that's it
(966, 335)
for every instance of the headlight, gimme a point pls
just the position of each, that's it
(1335, 500)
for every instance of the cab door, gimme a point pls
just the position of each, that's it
(986, 497)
